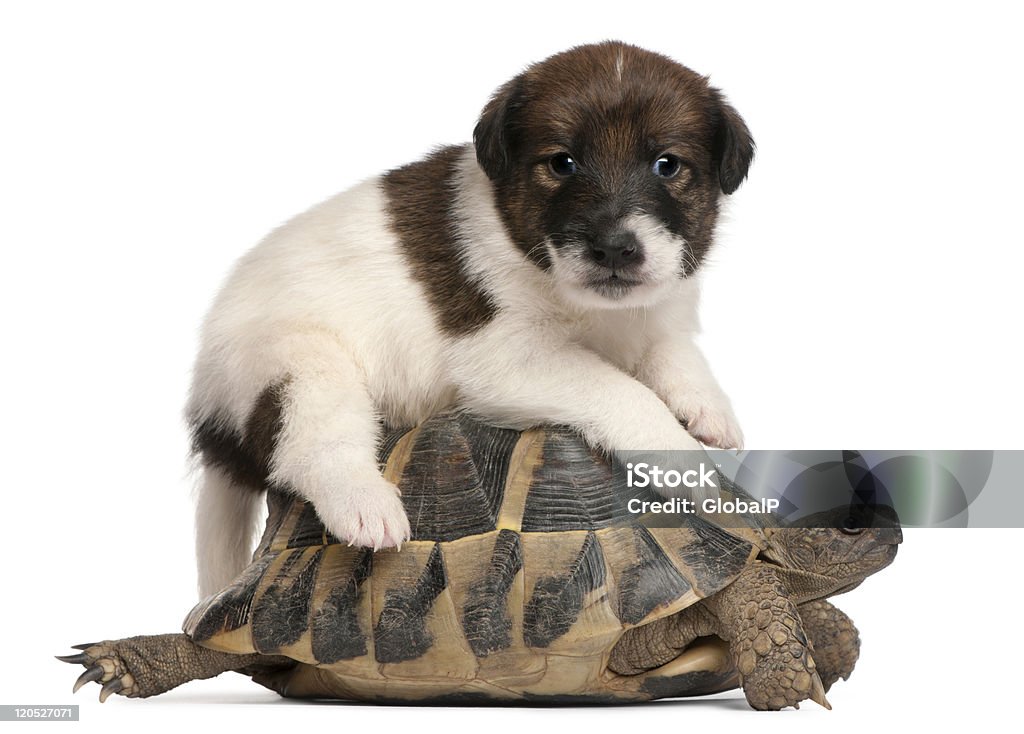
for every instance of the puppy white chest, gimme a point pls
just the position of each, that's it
(620, 337)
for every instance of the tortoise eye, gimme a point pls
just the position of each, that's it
(850, 526)
(562, 165)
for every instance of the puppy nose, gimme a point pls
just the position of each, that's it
(615, 250)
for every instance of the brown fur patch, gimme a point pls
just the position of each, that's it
(420, 201)
(246, 456)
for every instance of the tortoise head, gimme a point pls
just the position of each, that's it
(832, 552)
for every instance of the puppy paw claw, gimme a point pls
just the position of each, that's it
(372, 517)
(711, 421)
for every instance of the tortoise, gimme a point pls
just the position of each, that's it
(526, 580)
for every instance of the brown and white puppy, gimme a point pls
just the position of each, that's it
(546, 274)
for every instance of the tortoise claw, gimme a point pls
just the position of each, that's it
(86, 646)
(818, 693)
(111, 686)
(79, 659)
(103, 665)
(92, 674)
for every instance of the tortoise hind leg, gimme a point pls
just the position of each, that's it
(139, 667)
(652, 645)
(834, 638)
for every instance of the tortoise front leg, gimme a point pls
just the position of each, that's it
(144, 666)
(766, 639)
(835, 640)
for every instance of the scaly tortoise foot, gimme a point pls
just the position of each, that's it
(104, 666)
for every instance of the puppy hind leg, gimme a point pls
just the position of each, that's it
(226, 524)
(326, 450)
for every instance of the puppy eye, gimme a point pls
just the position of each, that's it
(562, 165)
(667, 166)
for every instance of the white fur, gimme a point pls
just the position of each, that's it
(225, 530)
(328, 301)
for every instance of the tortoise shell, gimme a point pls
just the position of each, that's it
(523, 570)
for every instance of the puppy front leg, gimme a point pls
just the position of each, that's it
(677, 371)
(525, 381)
(326, 449)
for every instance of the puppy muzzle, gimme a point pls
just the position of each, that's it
(616, 250)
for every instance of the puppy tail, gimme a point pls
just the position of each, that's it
(227, 519)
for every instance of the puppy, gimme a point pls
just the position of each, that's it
(545, 274)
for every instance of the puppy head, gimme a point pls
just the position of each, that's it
(607, 163)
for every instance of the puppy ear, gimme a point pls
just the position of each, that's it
(733, 147)
(492, 135)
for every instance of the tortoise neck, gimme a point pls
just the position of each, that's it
(805, 586)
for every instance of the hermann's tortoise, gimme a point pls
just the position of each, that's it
(526, 580)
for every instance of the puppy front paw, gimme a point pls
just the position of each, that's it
(368, 514)
(709, 419)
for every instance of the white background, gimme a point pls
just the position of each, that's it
(866, 293)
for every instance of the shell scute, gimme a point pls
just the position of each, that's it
(453, 478)
(646, 579)
(339, 624)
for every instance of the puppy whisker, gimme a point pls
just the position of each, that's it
(533, 250)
